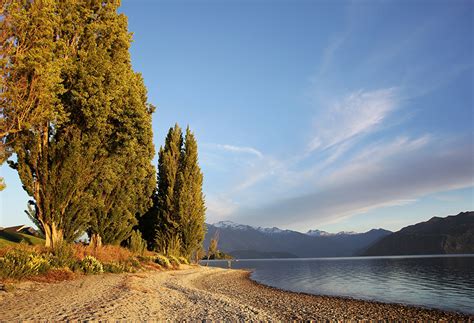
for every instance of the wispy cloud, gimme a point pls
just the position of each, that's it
(240, 149)
(396, 173)
(358, 113)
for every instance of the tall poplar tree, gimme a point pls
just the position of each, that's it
(166, 221)
(175, 222)
(94, 138)
(29, 69)
(189, 198)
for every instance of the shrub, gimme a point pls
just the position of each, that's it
(183, 260)
(162, 261)
(174, 261)
(113, 267)
(136, 243)
(21, 263)
(62, 256)
(144, 258)
(91, 265)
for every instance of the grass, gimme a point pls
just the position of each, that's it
(10, 239)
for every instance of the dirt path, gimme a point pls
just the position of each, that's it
(197, 293)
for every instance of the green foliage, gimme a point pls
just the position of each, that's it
(85, 145)
(174, 261)
(183, 260)
(190, 199)
(91, 265)
(136, 243)
(212, 248)
(62, 255)
(20, 263)
(162, 261)
(175, 223)
(160, 223)
(112, 267)
(220, 255)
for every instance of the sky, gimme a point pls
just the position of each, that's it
(330, 115)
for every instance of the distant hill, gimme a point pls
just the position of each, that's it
(11, 238)
(449, 235)
(244, 241)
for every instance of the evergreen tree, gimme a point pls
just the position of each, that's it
(189, 198)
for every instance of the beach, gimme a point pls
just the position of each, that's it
(191, 293)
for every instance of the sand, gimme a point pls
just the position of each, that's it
(193, 293)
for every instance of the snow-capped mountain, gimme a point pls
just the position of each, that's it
(346, 233)
(245, 241)
(273, 230)
(318, 233)
(237, 226)
(231, 225)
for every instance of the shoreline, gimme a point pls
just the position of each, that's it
(348, 298)
(193, 293)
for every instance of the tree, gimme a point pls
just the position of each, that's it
(29, 69)
(212, 250)
(159, 225)
(93, 141)
(175, 223)
(189, 198)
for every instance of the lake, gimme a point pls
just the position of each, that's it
(444, 281)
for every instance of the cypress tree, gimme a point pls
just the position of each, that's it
(189, 198)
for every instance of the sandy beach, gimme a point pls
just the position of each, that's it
(192, 293)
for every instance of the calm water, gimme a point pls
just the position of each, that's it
(444, 282)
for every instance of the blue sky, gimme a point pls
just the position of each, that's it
(335, 115)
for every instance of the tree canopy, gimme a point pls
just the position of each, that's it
(175, 222)
(76, 115)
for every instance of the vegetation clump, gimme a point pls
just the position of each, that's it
(90, 265)
(19, 263)
(162, 261)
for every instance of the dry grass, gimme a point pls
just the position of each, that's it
(104, 254)
(23, 247)
(54, 275)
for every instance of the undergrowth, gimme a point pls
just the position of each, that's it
(67, 260)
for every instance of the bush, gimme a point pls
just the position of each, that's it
(136, 243)
(91, 265)
(174, 261)
(113, 267)
(162, 261)
(183, 260)
(62, 256)
(21, 263)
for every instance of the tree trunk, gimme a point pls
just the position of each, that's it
(95, 241)
(53, 235)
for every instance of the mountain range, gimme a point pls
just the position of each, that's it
(244, 241)
(453, 234)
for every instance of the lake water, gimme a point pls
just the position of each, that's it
(444, 282)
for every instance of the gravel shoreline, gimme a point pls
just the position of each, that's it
(195, 293)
